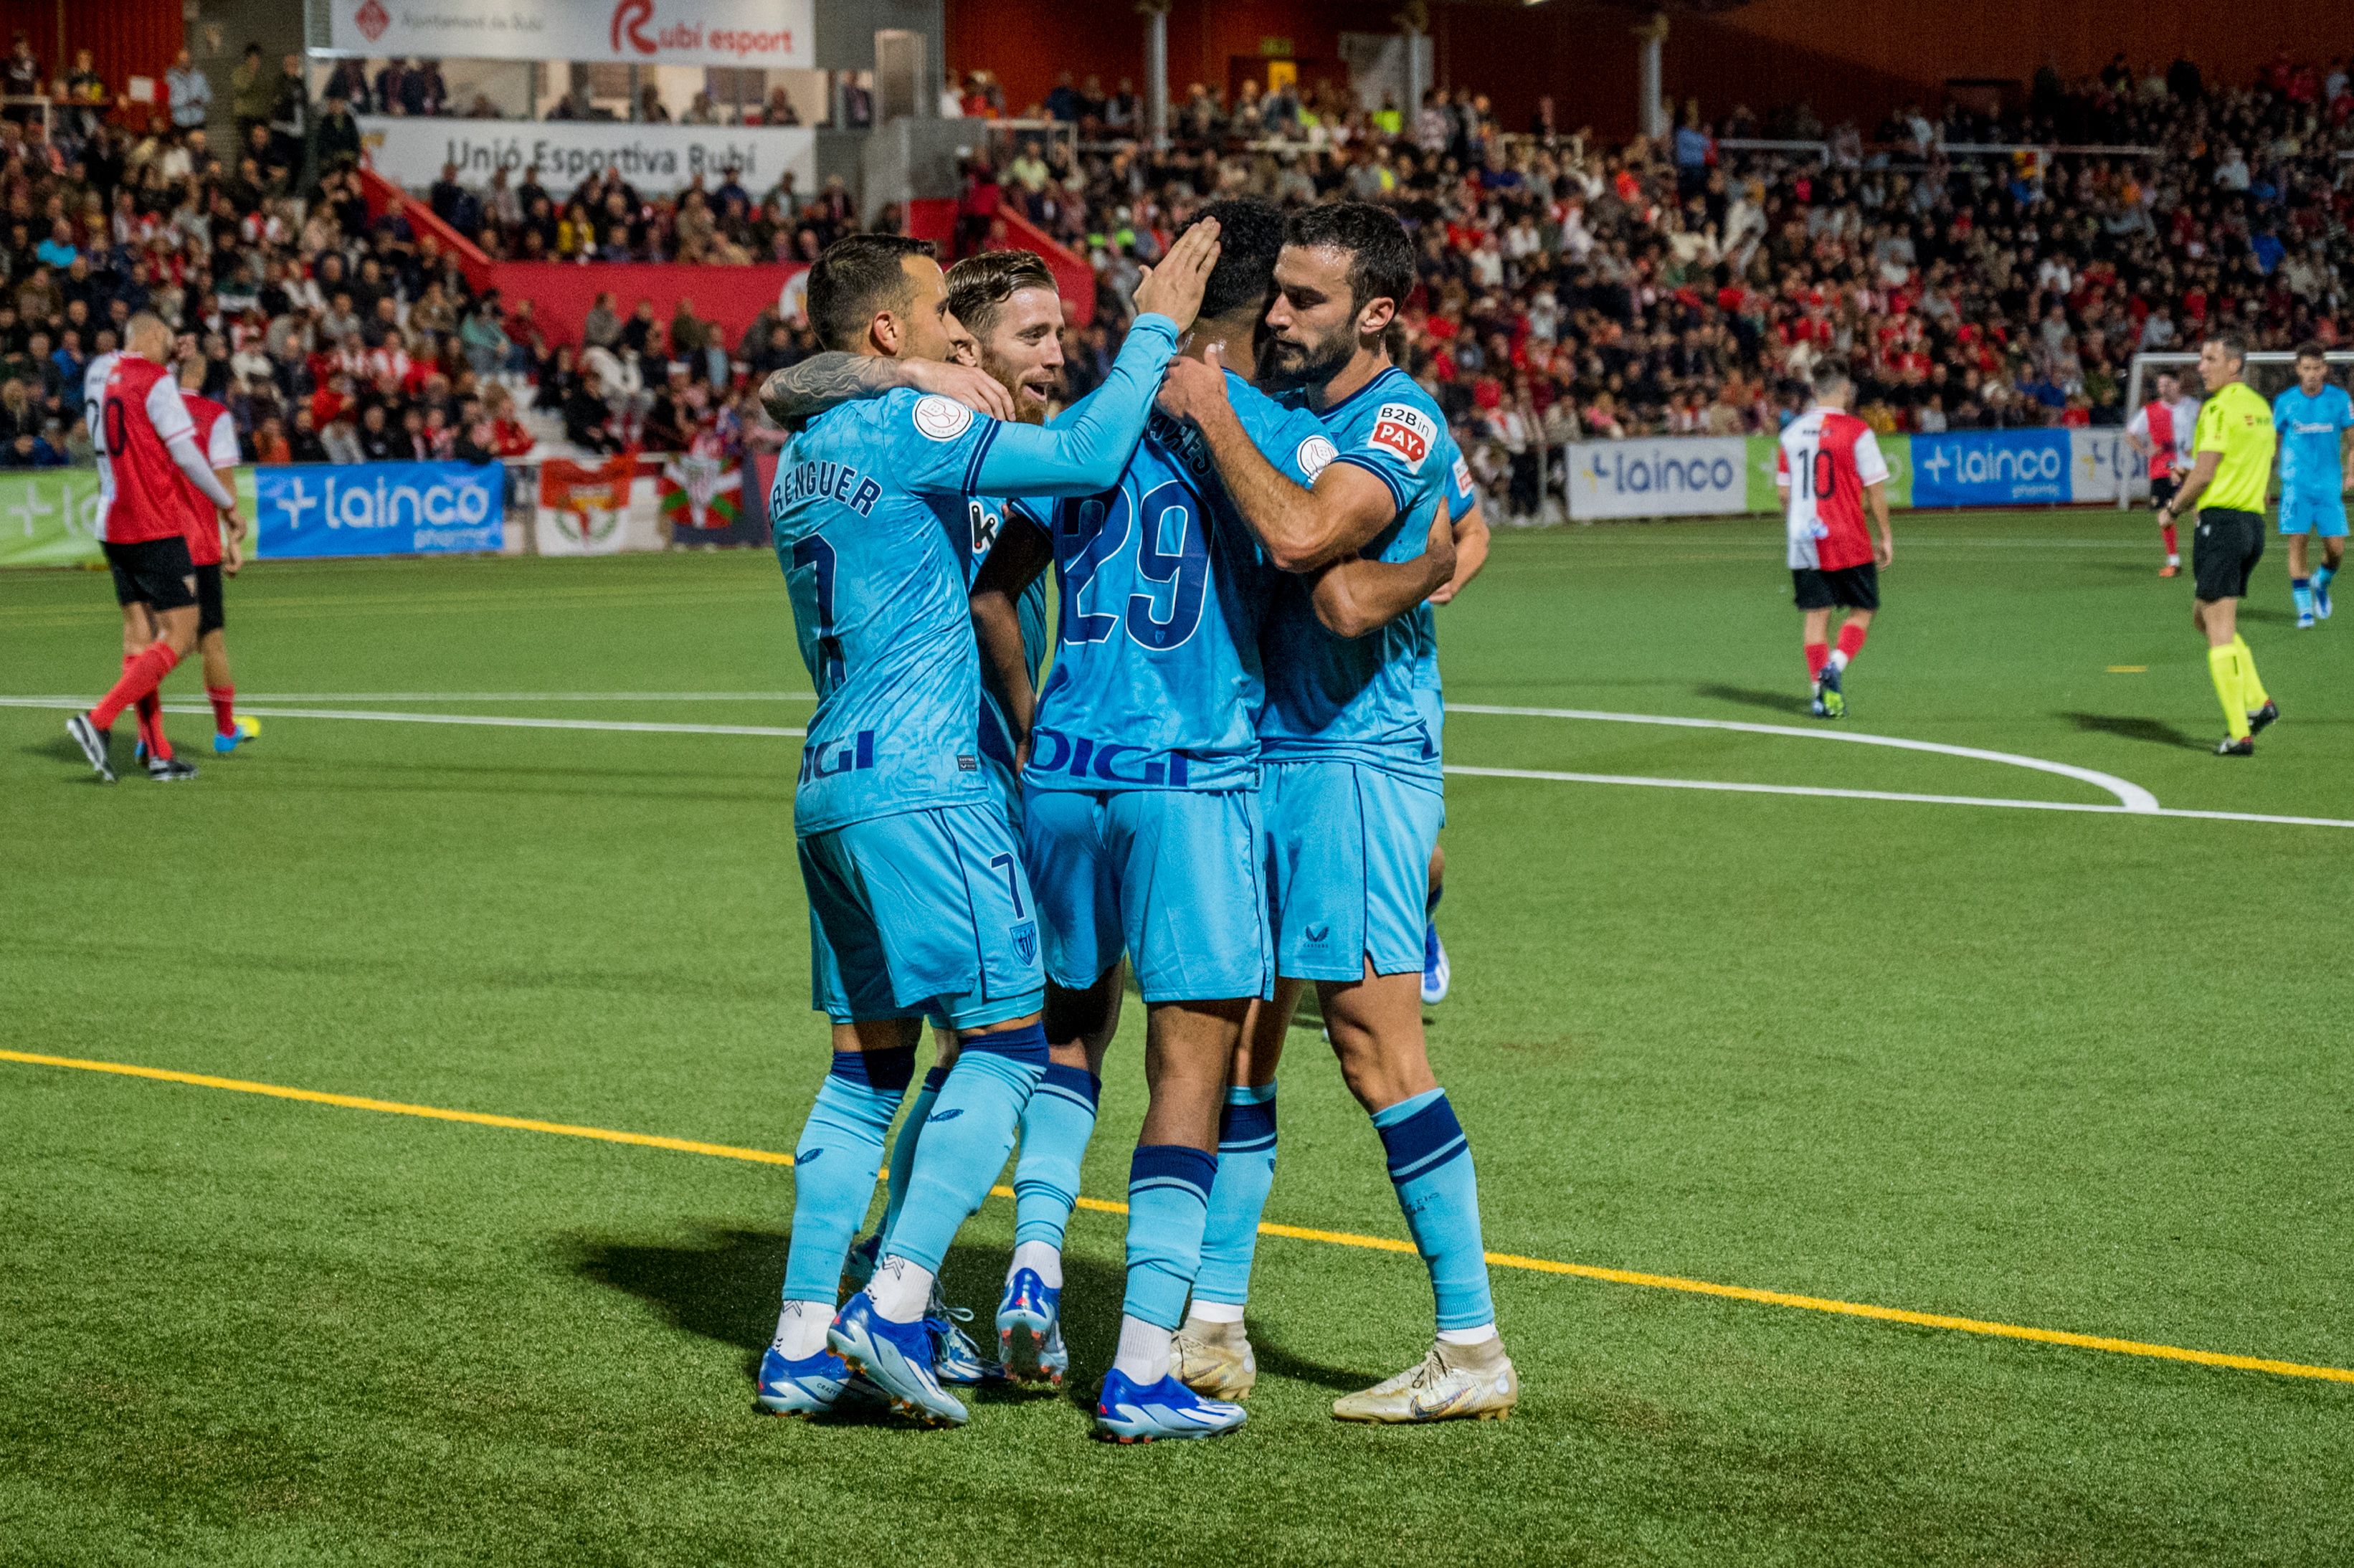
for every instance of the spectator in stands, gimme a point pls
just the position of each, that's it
(190, 91)
(253, 91)
(339, 134)
(20, 76)
(290, 115)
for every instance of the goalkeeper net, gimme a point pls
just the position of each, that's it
(2269, 373)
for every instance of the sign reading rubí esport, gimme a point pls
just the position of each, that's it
(653, 158)
(776, 34)
(379, 509)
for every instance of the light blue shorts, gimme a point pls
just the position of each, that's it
(2321, 512)
(1169, 876)
(925, 913)
(1348, 863)
(996, 743)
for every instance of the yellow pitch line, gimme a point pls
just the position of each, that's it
(1295, 1232)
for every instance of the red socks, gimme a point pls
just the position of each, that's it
(224, 700)
(140, 678)
(1817, 655)
(1850, 642)
(2170, 551)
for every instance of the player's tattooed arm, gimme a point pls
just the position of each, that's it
(799, 393)
(1014, 562)
(1302, 529)
(1354, 596)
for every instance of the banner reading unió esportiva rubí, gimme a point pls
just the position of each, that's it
(1688, 476)
(774, 34)
(379, 509)
(413, 152)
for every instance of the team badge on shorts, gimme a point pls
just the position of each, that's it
(1026, 941)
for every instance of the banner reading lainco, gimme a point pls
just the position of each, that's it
(1688, 476)
(379, 509)
(773, 35)
(653, 158)
(1992, 468)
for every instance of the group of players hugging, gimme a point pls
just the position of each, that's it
(1228, 784)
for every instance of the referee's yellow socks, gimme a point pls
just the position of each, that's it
(2224, 664)
(2250, 689)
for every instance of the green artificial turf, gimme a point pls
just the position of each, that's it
(2070, 1070)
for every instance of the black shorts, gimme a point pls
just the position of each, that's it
(153, 572)
(2224, 550)
(2161, 491)
(208, 599)
(1855, 587)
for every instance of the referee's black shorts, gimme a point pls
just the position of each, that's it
(2224, 550)
(2162, 490)
(209, 614)
(153, 572)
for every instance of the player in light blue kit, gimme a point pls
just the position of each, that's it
(919, 905)
(2315, 421)
(1351, 790)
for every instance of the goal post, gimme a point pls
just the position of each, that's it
(2269, 372)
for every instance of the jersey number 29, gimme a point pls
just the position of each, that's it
(1170, 571)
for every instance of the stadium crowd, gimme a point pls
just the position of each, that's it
(1570, 291)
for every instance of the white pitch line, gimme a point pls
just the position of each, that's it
(251, 697)
(2131, 797)
(630, 726)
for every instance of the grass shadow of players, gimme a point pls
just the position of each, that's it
(2155, 732)
(2265, 615)
(1749, 696)
(721, 1284)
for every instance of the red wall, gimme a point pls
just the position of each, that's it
(125, 37)
(561, 293)
(1856, 60)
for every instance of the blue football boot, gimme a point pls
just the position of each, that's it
(1128, 1414)
(1034, 1309)
(955, 1357)
(898, 1358)
(812, 1385)
(2321, 605)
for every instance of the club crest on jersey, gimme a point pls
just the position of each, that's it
(942, 419)
(1405, 430)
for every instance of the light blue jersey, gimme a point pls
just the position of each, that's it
(987, 518)
(870, 506)
(1372, 699)
(2310, 429)
(1157, 681)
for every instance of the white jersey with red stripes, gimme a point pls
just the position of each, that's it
(2169, 427)
(139, 414)
(1828, 456)
(93, 394)
(217, 439)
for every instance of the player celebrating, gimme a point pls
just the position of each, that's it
(150, 443)
(1351, 787)
(919, 905)
(2231, 466)
(2314, 421)
(2160, 431)
(1828, 467)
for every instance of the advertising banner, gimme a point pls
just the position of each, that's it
(49, 517)
(773, 35)
(379, 509)
(1992, 468)
(653, 158)
(1688, 476)
(2103, 467)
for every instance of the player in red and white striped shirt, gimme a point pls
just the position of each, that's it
(1828, 468)
(150, 442)
(217, 434)
(2161, 431)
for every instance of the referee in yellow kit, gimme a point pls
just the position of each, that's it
(2232, 465)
